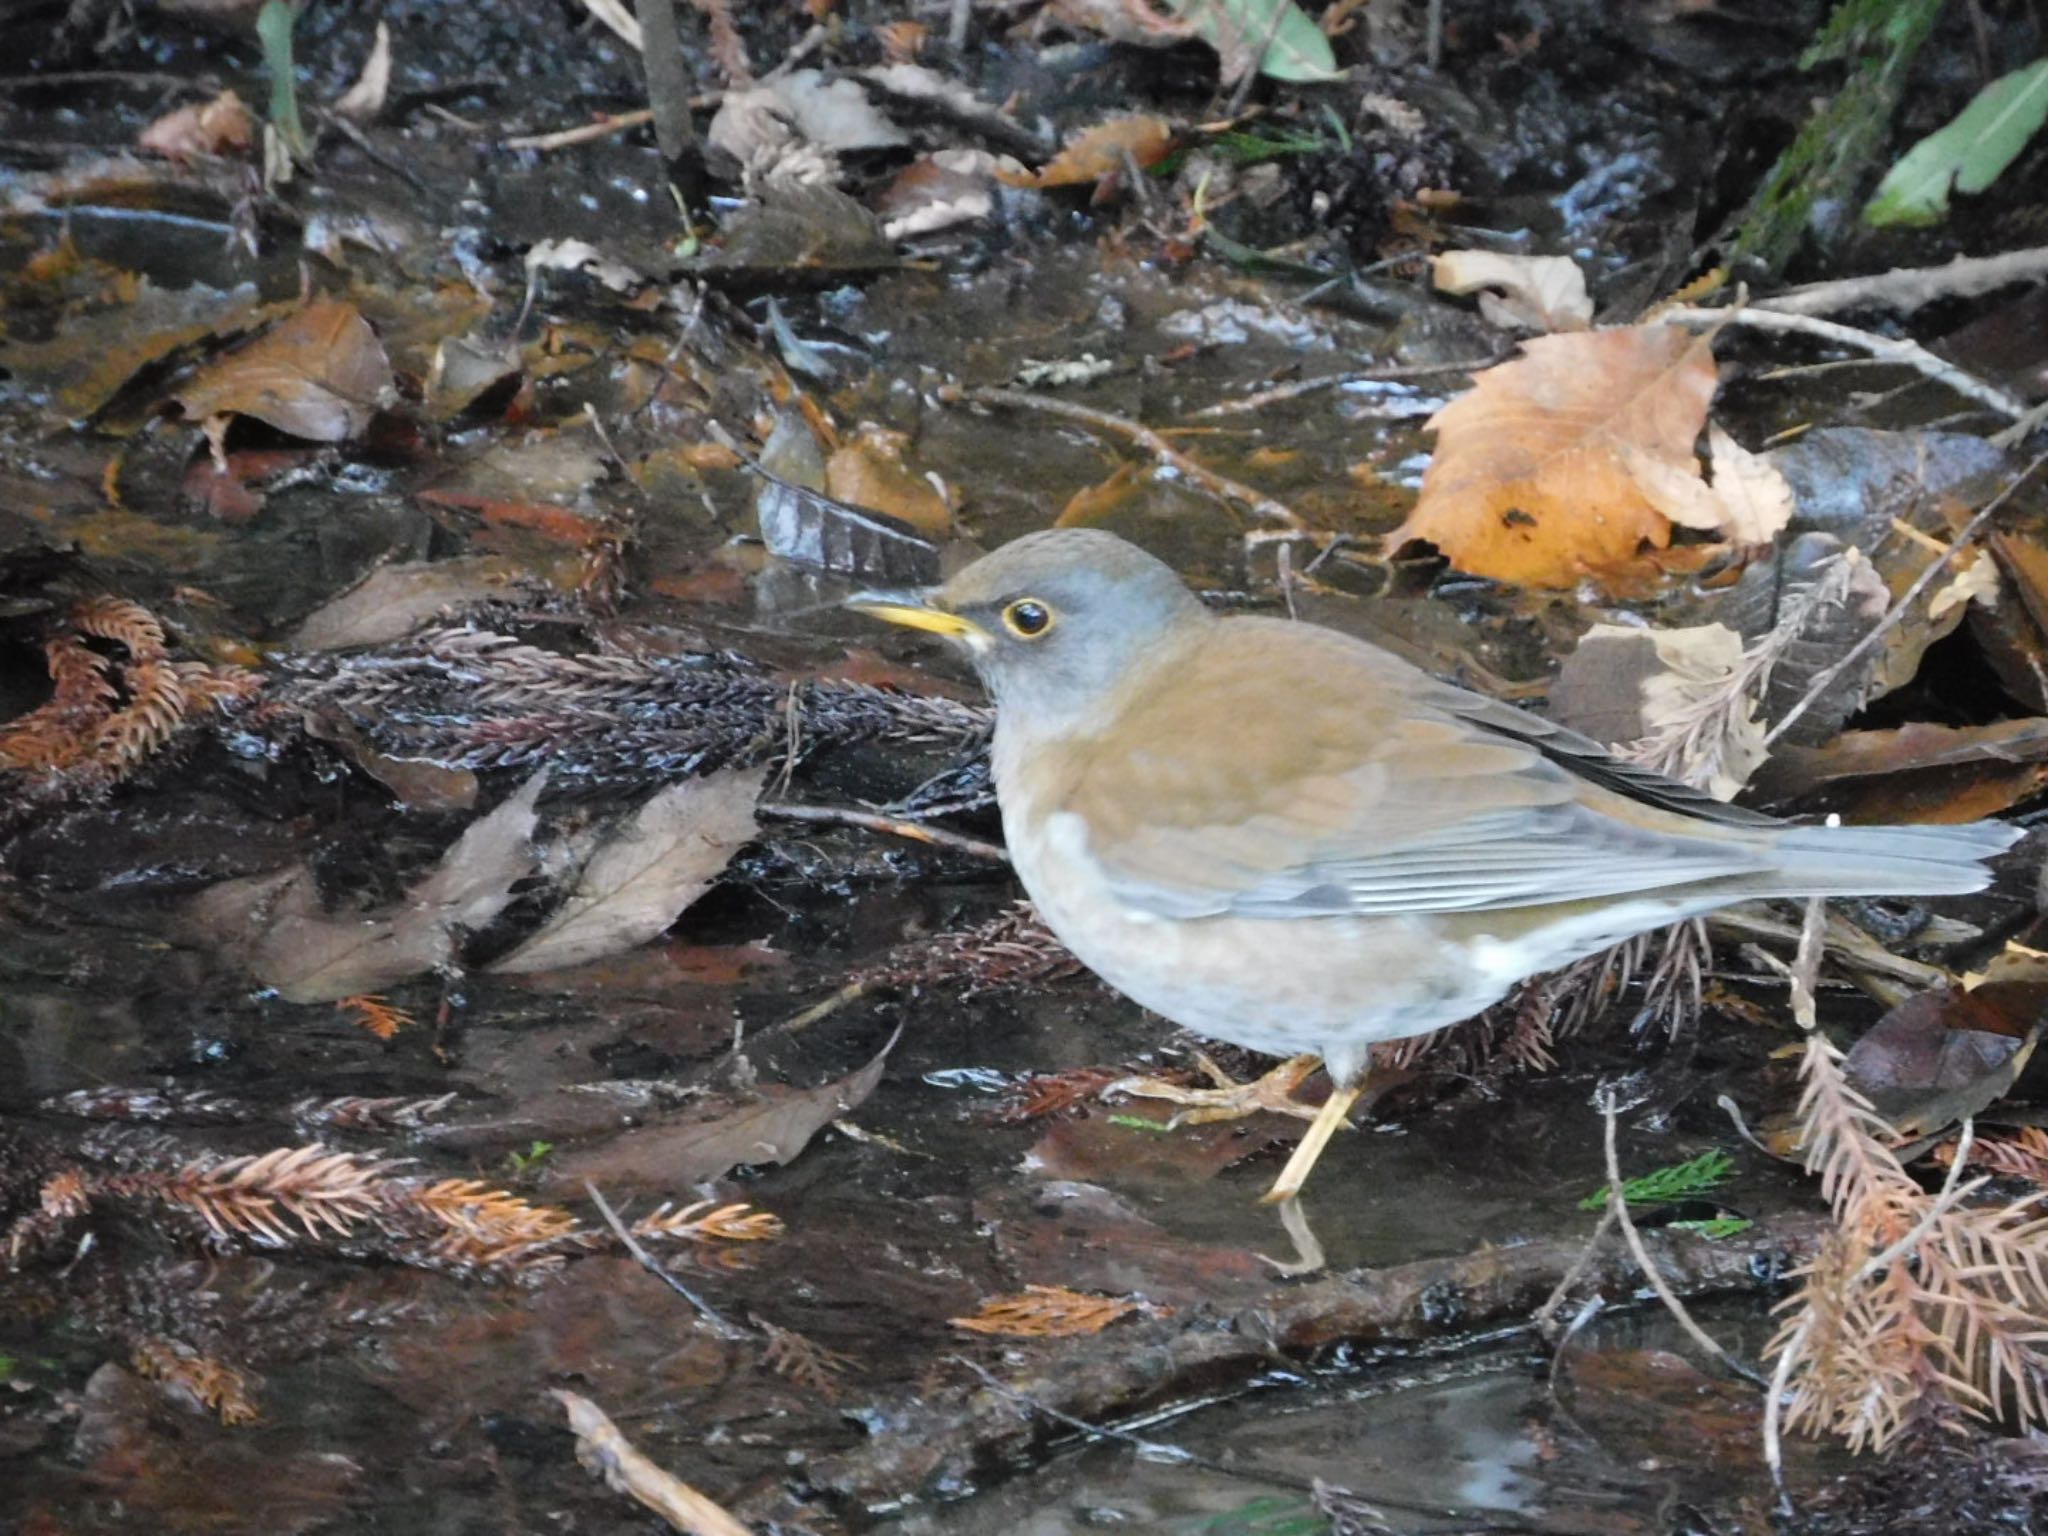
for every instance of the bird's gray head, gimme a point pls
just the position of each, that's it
(1052, 621)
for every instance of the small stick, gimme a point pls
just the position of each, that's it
(895, 826)
(1220, 486)
(607, 124)
(1908, 354)
(703, 1308)
(1389, 374)
(1899, 609)
(1617, 1207)
(1904, 289)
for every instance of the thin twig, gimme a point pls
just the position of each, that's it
(1617, 1207)
(1392, 373)
(1542, 1320)
(647, 1261)
(1899, 609)
(895, 826)
(1220, 486)
(606, 124)
(1908, 354)
(1904, 289)
(1953, 1193)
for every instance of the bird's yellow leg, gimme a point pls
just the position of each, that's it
(1230, 1100)
(1333, 1114)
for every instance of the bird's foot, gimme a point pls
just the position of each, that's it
(1228, 1099)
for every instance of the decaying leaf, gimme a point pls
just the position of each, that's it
(1533, 481)
(394, 601)
(707, 1141)
(1680, 697)
(1274, 37)
(1749, 501)
(641, 879)
(1050, 1312)
(1100, 151)
(793, 128)
(320, 375)
(608, 1454)
(277, 928)
(868, 469)
(365, 99)
(1536, 293)
(221, 126)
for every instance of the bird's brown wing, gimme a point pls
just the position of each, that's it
(1284, 770)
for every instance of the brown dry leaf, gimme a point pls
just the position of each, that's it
(643, 877)
(868, 470)
(606, 1453)
(218, 127)
(1529, 483)
(394, 600)
(710, 1140)
(1943, 1056)
(1096, 152)
(1537, 293)
(321, 374)
(1680, 692)
(275, 926)
(1049, 1312)
(1092, 503)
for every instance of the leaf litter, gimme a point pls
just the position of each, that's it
(543, 465)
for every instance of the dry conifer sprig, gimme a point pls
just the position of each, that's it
(1915, 1299)
(214, 1384)
(311, 1194)
(107, 716)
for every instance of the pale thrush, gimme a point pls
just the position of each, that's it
(1280, 836)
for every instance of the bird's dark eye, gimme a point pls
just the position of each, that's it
(1027, 618)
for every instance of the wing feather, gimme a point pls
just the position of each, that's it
(1352, 783)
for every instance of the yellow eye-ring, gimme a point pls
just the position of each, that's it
(1027, 618)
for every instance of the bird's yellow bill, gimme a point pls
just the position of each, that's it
(912, 615)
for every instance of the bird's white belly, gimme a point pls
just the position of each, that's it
(1331, 985)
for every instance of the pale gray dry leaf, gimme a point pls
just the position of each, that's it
(1681, 697)
(648, 872)
(275, 927)
(1536, 293)
(709, 1140)
(791, 129)
(365, 99)
(394, 601)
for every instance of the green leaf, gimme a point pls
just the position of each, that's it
(1661, 1186)
(1967, 155)
(1296, 48)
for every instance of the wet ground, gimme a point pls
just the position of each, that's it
(584, 497)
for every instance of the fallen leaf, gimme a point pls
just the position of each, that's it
(394, 600)
(1966, 155)
(1749, 501)
(941, 190)
(321, 375)
(365, 99)
(1096, 152)
(218, 127)
(643, 877)
(1537, 293)
(707, 1141)
(1130, 1145)
(1050, 1312)
(1529, 482)
(869, 471)
(1623, 686)
(793, 128)
(1274, 37)
(1943, 1056)
(1975, 580)
(605, 1452)
(275, 926)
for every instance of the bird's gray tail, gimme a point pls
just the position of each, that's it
(1889, 861)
